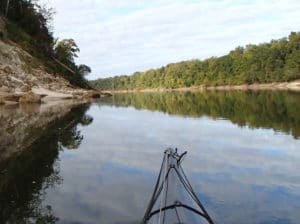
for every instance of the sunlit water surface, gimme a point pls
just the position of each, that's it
(243, 170)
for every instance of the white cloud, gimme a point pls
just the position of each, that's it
(120, 37)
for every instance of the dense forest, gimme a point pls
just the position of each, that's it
(28, 23)
(276, 61)
(256, 109)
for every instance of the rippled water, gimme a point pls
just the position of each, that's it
(98, 163)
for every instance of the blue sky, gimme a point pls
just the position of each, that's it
(123, 36)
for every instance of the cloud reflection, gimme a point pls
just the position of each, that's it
(243, 175)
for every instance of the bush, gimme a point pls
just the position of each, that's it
(16, 34)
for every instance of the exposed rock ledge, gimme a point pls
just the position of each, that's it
(24, 79)
(41, 95)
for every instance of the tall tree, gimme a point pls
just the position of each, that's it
(84, 70)
(66, 51)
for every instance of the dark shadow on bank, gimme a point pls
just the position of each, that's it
(26, 174)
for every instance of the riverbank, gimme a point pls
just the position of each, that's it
(24, 79)
(41, 95)
(292, 86)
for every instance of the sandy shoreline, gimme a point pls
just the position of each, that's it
(293, 86)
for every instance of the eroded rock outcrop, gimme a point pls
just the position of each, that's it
(21, 73)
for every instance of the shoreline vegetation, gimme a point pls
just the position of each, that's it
(292, 86)
(273, 65)
(36, 67)
(27, 25)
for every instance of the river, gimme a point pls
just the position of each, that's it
(98, 162)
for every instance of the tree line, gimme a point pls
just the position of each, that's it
(276, 61)
(28, 23)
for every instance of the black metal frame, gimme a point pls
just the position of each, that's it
(172, 154)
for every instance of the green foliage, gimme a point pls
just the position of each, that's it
(276, 61)
(29, 25)
(33, 20)
(84, 70)
(18, 35)
(66, 51)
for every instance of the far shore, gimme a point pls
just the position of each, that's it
(293, 86)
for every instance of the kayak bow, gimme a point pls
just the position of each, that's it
(173, 199)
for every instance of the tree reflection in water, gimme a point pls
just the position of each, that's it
(26, 177)
(69, 136)
(278, 110)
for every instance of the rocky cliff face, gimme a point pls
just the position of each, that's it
(24, 85)
(21, 73)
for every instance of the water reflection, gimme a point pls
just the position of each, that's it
(21, 125)
(27, 172)
(245, 173)
(278, 110)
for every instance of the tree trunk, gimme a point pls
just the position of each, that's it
(7, 6)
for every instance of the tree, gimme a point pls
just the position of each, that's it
(29, 24)
(66, 51)
(7, 6)
(84, 70)
(276, 61)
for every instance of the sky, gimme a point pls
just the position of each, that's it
(119, 37)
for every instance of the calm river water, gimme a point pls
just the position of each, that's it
(97, 163)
